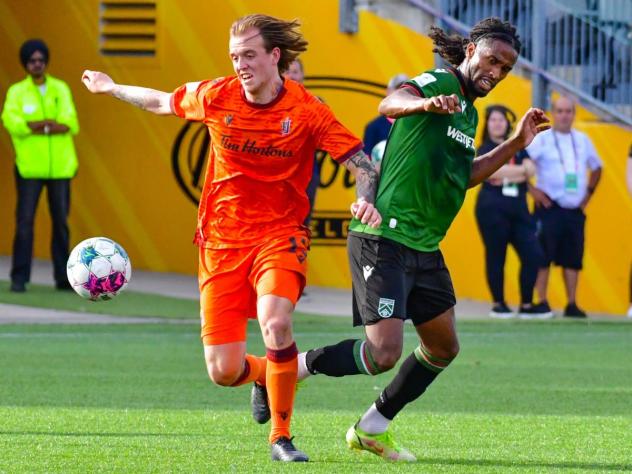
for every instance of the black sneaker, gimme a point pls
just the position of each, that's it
(536, 311)
(501, 311)
(283, 450)
(18, 287)
(573, 311)
(259, 403)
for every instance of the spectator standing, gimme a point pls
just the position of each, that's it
(568, 171)
(40, 116)
(503, 218)
(377, 130)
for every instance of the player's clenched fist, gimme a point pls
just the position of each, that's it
(442, 104)
(366, 213)
(531, 123)
(97, 82)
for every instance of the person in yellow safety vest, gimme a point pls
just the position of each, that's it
(40, 116)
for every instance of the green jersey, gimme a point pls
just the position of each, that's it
(426, 167)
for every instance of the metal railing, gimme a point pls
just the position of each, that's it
(583, 54)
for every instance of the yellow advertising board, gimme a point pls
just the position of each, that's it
(140, 175)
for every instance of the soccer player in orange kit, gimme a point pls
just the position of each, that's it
(253, 247)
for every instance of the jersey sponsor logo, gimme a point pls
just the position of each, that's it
(367, 270)
(250, 146)
(385, 307)
(286, 125)
(424, 79)
(460, 137)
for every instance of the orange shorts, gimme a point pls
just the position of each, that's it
(232, 279)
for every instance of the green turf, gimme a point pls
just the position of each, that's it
(521, 397)
(128, 303)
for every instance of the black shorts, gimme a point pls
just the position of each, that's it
(391, 280)
(561, 235)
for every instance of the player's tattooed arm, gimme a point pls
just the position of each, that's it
(366, 177)
(151, 100)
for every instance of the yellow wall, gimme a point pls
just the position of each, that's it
(126, 188)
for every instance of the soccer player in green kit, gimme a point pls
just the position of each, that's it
(398, 271)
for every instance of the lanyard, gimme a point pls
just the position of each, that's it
(559, 152)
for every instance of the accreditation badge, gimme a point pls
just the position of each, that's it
(509, 189)
(570, 183)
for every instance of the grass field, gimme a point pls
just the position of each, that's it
(524, 397)
(521, 397)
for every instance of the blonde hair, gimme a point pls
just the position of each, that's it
(276, 33)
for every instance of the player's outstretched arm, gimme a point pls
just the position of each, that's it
(366, 177)
(531, 123)
(154, 101)
(405, 101)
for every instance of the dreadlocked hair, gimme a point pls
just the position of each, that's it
(452, 47)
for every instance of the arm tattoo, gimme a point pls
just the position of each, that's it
(146, 99)
(365, 174)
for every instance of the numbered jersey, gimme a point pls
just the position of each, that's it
(261, 158)
(426, 167)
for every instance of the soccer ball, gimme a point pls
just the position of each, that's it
(98, 269)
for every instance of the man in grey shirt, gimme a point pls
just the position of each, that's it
(567, 172)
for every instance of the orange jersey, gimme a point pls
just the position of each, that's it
(261, 158)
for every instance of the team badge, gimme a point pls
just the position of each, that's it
(228, 119)
(367, 270)
(286, 126)
(385, 307)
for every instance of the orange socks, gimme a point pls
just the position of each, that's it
(254, 371)
(281, 375)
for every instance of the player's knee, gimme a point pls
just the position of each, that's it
(277, 331)
(386, 356)
(447, 350)
(223, 375)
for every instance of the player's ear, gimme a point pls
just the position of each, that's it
(276, 55)
(469, 50)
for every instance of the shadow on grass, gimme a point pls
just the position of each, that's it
(539, 466)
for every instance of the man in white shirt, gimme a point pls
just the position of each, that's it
(567, 171)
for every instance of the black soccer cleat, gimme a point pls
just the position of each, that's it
(283, 450)
(259, 404)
